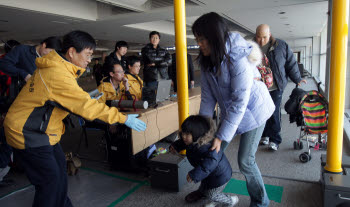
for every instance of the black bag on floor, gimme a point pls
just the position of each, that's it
(119, 149)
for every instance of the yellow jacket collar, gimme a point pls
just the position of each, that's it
(53, 58)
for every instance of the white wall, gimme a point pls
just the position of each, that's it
(323, 57)
(82, 9)
(316, 44)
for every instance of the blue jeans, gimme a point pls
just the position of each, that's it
(246, 161)
(273, 124)
(45, 168)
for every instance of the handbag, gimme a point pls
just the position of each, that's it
(266, 72)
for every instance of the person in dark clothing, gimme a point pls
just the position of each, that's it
(283, 66)
(172, 71)
(118, 55)
(5, 80)
(10, 44)
(97, 71)
(21, 60)
(211, 168)
(156, 61)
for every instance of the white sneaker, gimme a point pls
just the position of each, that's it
(273, 146)
(234, 200)
(264, 141)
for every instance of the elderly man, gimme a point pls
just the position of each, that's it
(283, 65)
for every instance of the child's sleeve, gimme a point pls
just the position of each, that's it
(179, 145)
(209, 163)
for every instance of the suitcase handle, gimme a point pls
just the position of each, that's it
(343, 198)
(161, 170)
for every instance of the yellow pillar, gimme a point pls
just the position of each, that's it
(339, 45)
(181, 59)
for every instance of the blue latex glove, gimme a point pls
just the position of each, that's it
(134, 123)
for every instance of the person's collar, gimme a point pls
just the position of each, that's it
(115, 88)
(116, 55)
(64, 57)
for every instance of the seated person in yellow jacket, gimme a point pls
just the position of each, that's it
(33, 124)
(115, 85)
(134, 80)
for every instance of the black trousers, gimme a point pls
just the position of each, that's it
(45, 168)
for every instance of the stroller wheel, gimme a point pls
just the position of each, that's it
(304, 157)
(301, 146)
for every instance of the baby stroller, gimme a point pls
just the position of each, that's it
(313, 109)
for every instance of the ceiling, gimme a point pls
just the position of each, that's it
(132, 20)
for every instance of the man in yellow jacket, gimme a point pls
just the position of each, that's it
(33, 124)
(115, 85)
(134, 80)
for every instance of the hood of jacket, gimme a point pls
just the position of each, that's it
(237, 47)
(209, 136)
(53, 59)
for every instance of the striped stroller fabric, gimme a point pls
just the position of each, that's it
(314, 109)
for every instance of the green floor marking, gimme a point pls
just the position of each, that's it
(15, 191)
(239, 187)
(125, 195)
(112, 175)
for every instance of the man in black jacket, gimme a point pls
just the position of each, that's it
(283, 65)
(156, 61)
(118, 55)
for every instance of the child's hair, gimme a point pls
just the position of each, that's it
(196, 125)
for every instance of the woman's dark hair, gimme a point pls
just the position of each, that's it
(53, 43)
(133, 59)
(120, 44)
(154, 33)
(10, 44)
(79, 40)
(196, 125)
(212, 27)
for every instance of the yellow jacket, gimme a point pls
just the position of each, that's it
(109, 93)
(35, 117)
(135, 86)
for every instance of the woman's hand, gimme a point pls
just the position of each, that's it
(216, 145)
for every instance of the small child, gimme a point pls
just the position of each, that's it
(211, 168)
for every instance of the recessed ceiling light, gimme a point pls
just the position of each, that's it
(282, 12)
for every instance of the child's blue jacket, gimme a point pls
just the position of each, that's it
(210, 167)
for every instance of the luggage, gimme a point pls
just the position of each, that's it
(169, 171)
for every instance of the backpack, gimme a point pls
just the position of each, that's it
(266, 72)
